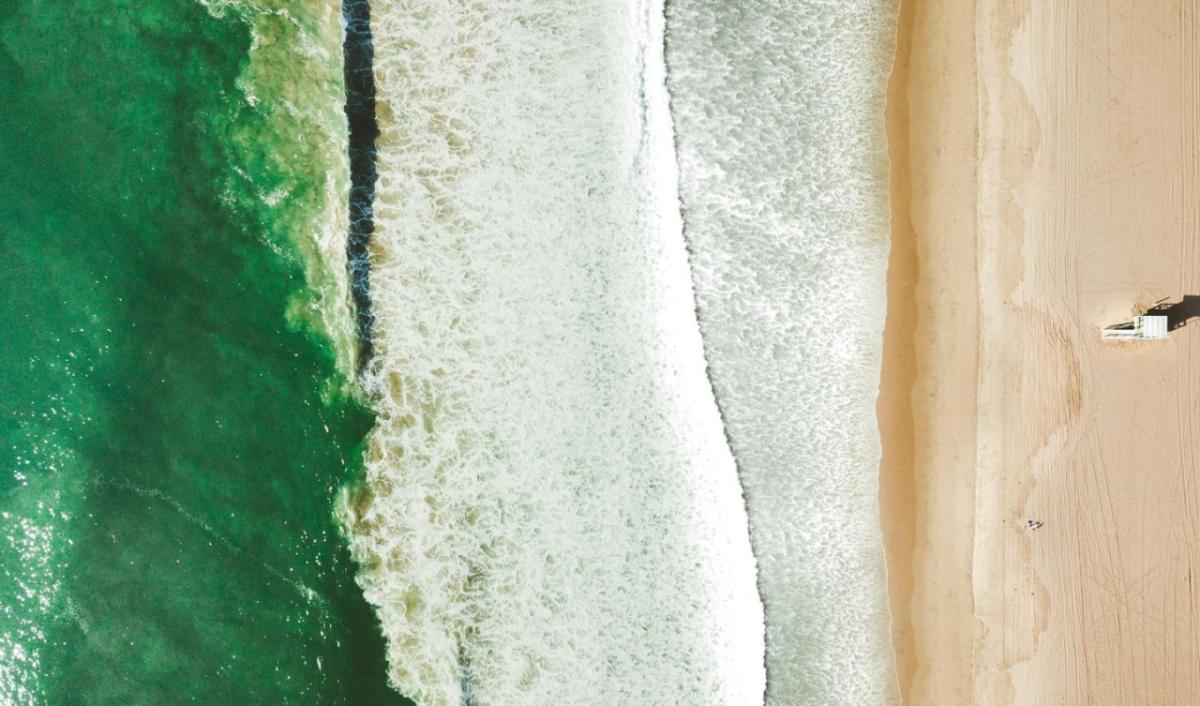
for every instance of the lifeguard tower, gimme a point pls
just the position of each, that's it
(1143, 328)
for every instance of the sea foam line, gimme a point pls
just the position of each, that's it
(550, 513)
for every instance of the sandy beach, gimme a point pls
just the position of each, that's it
(1044, 161)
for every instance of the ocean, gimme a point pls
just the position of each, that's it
(175, 421)
(551, 381)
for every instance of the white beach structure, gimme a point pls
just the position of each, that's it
(1142, 328)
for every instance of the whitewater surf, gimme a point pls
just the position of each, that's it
(551, 513)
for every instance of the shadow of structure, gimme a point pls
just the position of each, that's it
(1177, 313)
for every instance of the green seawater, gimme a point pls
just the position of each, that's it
(173, 417)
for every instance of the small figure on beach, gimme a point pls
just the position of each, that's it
(1033, 524)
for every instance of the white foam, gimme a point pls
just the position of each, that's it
(551, 514)
(779, 115)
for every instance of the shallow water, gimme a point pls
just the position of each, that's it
(778, 110)
(173, 432)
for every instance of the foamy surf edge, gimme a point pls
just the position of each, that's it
(550, 513)
(783, 160)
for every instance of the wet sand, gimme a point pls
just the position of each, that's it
(927, 399)
(1045, 163)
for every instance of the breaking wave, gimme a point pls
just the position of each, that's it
(550, 512)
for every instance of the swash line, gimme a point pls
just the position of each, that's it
(687, 246)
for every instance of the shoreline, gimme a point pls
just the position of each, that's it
(928, 378)
(899, 366)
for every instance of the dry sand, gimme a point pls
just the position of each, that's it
(1046, 170)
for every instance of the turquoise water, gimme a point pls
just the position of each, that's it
(172, 422)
